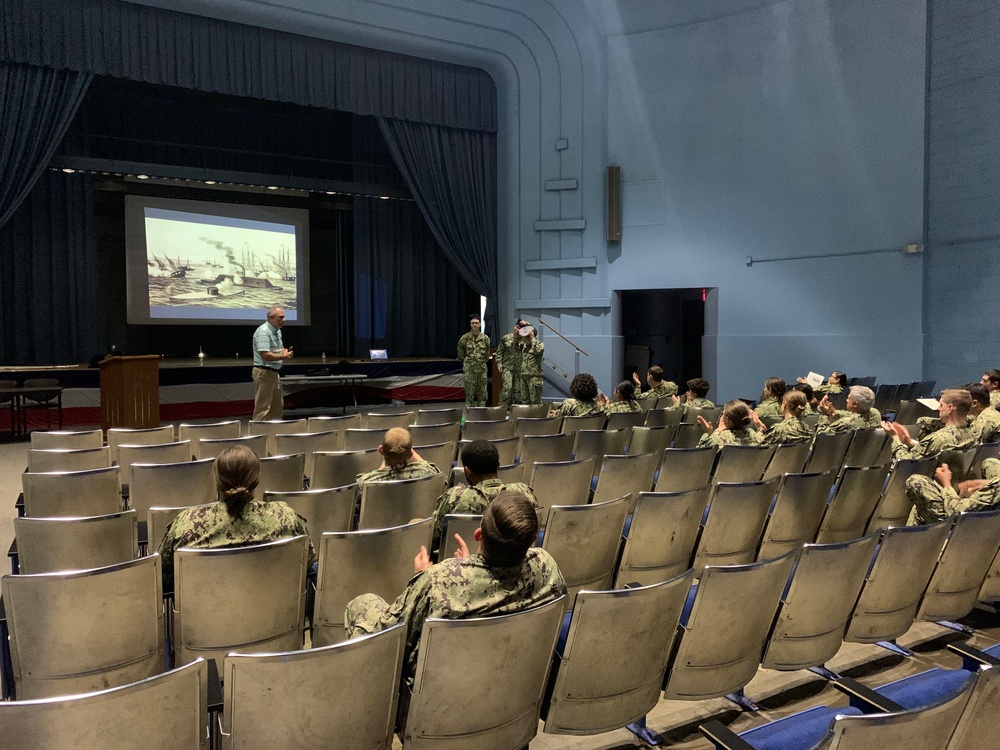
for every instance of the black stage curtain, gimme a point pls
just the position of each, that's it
(408, 298)
(110, 37)
(452, 175)
(36, 106)
(48, 275)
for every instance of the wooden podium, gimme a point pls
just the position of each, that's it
(130, 391)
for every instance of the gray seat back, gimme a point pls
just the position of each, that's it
(212, 447)
(662, 536)
(626, 475)
(438, 416)
(46, 545)
(239, 599)
(485, 413)
(788, 458)
(382, 421)
(463, 524)
(528, 411)
(512, 473)
(711, 415)
(584, 541)
(173, 485)
(513, 650)
(811, 620)
(909, 411)
(78, 459)
(586, 422)
(537, 426)
(599, 443)
(742, 463)
(271, 427)
(561, 483)
(330, 509)
(894, 506)
(866, 447)
(685, 469)
(357, 439)
(306, 443)
(853, 502)
(962, 568)
(77, 631)
(158, 519)
(93, 492)
(960, 462)
(723, 636)
(662, 417)
(168, 712)
(162, 453)
(432, 434)
(984, 451)
(977, 726)
(546, 448)
(66, 439)
(828, 451)
(509, 448)
(397, 502)
(195, 432)
(797, 512)
(336, 424)
(280, 474)
(625, 419)
(441, 454)
(688, 435)
(896, 582)
(147, 436)
(735, 520)
(488, 430)
(610, 671)
(375, 561)
(650, 439)
(309, 699)
(340, 468)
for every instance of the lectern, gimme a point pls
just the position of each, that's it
(130, 391)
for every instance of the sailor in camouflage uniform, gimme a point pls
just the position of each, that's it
(859, 414)
(531, 367)
(506, 575)
(792, 428)
(770, 398)
(936, 500)
(657, 386)
(624, 399)
(508, 359)
(985, 424)
(399, 460)
(953, 409)
(735, 427)
(991, 380)
(474, 354)
(583, 402)
(697, 389)
(236, 520)
(836, 383)
(481, 462)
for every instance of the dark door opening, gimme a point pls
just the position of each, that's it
(663, 327)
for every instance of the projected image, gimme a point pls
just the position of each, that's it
(218, 263)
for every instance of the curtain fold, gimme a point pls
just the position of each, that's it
(408, 298)
(48, 275)
(452, 175)
(37, 105)
(143, 43)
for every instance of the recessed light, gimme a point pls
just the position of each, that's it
(272, 187)
(67, 170)
(209, 182)
(142, 176)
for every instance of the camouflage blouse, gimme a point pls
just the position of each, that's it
(573, 408)
(719, 438)
(788, 430)
(465, 499)
(666, 388)
(616, 406)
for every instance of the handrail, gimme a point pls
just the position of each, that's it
(543, 323)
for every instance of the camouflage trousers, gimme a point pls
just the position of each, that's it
(475, 384)
(531, 390)
(931, 503)
(363, 613)
(507, 394)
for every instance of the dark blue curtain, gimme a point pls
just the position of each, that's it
(122, 40)
(36, 106)
(452, 175)
(408, 298)
(48, 275)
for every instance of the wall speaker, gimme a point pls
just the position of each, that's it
(613, 201)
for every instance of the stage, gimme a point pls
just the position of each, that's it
(207, 388)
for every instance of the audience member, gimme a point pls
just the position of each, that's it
(583, 398)
(860, 412)
(792, 428)
(399, 460)
(936, 499)
(657, 386)
(624, 399)
(954, 406)
(770, 399)
(735, 427)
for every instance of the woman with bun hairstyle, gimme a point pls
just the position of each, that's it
(770, 399)
(735, 427)
(624, 399)
(236, 519)
(792, 428)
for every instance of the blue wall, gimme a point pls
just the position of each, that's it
(963, 181)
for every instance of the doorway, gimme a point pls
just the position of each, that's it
(664, 327)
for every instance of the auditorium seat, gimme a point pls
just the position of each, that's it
(330, 509)
(537, 426)
(463, 524)
(441, 455)
(512, 473)
(495, 429)
(828, 451)
(78, 631)
(396, 502)
(339, 468)
(432, 434)
(625, 419)
(272, 427)
(174, 485)
(357, 439)
(661, 536)
(47, 545)
(561, 483)
(351, 563)
(626, 475)
(79, 459)
(867, 447)
(160, 453)
(732, 529)
(587, 422)
(66, 439)
(146, 436)
(983, 451)
(280, 474)
(650, 439)
(685, 468)
(608, 669)
(797, 511)
(212, 447)
(93, 492)
(508, 447)
(599, 443)
(528, 411)
(711, 414)
(485, 413)
(158, 519)
(168, 711)
(660, 417)
(688, 435)
(383, 421)
(454, 701)
(333, 424)
(248, 598)
(894, 506)
(742, 463)
(306, 443)
(195, 432)
(341, 696)
(438, 416)
(546, 448)
(854, 499)
(788, 458)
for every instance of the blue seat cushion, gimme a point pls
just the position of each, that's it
(802, 730)
(926, 688)
(688, 604)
